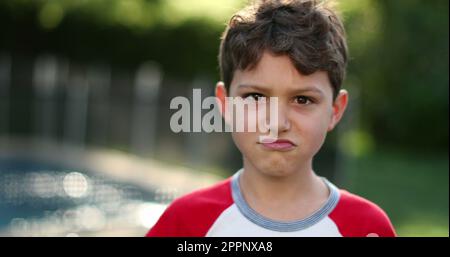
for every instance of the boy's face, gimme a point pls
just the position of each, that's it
(306, 112)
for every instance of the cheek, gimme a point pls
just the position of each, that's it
(244, 141)
(247, 119)
(313, 127)
(244, 138)
(314, 135)
(252, 119)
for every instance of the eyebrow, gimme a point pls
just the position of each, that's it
(295, 91)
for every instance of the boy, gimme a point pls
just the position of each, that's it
(295, 51)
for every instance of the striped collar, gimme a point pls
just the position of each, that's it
(283, 226)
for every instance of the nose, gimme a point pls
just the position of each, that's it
(281, 122)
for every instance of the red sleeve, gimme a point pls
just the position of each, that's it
(358, 217)
(194, 213)
(167, 224)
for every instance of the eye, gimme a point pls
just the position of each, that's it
(303, 100)
(255, 96)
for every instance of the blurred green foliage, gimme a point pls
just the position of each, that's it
(397, 78)
(123, 33)
(398, 70)
(400, 66)
(411, 187)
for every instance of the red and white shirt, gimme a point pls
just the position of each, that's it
(221, 211)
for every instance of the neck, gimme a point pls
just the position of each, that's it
(270, 191)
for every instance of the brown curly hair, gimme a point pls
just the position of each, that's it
(308, 31)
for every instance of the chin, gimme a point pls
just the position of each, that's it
(276, 170)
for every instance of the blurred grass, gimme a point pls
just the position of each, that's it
(411, 188)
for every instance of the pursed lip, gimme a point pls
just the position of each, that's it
(279, 144)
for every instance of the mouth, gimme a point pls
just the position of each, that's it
(278, 145)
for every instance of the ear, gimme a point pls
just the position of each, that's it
(221, 94)
(221, 98)
(339, 106)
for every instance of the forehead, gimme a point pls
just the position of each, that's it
(277, 73)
